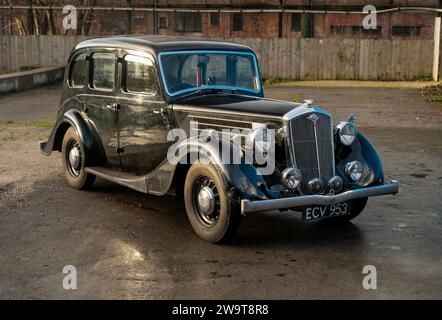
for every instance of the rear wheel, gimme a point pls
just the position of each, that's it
(73, 157)
(211, 213)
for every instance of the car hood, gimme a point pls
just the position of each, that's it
(238, 104)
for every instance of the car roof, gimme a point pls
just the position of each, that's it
(161, 43)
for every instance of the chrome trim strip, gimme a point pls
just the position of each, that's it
(291, 144)
(303, 109)
(219, 119)
(332, 139)
(215, 111)
(226, 133)
(300, 201)
(221, 126)
(315, 130)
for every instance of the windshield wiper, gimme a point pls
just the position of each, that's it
(200, 91)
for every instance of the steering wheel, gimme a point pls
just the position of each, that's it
(180, 86)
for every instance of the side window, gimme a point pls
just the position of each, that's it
(139, 75)
(244, 70)
(103, 77)
(77, 72)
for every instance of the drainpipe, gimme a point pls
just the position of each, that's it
(30, 18)
(130, 17)
(436, 52)
(155, 20)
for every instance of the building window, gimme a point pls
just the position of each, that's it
(308, 25)
(188, 22)
(237, 21)
(296, 22)
(214, 19)
(162, 23)
(339, 30)
(405, 31)
(139, 21)
(359, 30)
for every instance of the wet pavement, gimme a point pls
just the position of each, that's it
(128, 245)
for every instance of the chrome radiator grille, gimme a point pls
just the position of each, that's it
(311, 147)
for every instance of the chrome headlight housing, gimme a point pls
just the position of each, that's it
(346, 132)
(367, 176)
(261, 139)
(359, 173)
(291, 178)
(354, 170)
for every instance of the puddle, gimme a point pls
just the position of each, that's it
(418, 175)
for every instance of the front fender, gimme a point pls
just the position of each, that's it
(361, 150)
(243, 179)
(85, 130)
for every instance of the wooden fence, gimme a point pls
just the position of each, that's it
(298, 59)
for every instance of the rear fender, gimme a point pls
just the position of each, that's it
(86, 132)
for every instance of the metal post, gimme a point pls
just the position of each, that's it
(130, 17)
(154, 16)
(436, 52)
(10, 19)
(280, 17)
(31, 18)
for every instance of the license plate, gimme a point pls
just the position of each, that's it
(315, 213)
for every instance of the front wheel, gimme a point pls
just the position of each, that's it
(73, 157)
(211, 213)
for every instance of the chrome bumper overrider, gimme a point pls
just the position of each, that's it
(300, 201)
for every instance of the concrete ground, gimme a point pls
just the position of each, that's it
(128, 245)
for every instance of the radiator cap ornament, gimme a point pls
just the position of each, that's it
(309, 103)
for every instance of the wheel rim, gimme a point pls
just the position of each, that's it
(73, 158)
(206, 201)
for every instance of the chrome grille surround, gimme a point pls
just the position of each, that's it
(310, 145)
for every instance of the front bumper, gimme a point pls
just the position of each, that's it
(300, 201)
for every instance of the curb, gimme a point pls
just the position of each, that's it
(24, 80)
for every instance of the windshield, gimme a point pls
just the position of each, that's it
(186, 71)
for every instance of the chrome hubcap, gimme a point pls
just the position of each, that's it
(73, 158)
(206, 201)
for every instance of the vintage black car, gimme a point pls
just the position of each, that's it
(186, 116)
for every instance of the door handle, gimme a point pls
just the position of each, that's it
(113, 106)
(161, 111)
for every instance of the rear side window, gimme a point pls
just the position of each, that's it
(77, 73)
(103, 77)
(140, 75)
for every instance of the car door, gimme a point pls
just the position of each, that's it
(100, 104)
(142, 119)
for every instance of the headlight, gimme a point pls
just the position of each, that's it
(359, 173)
(354, 170)
(261, 139)
(346, 132)
(291, 178)
(367, 176)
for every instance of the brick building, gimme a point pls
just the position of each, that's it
(224, 18)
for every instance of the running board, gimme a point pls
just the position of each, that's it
(132, 181)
